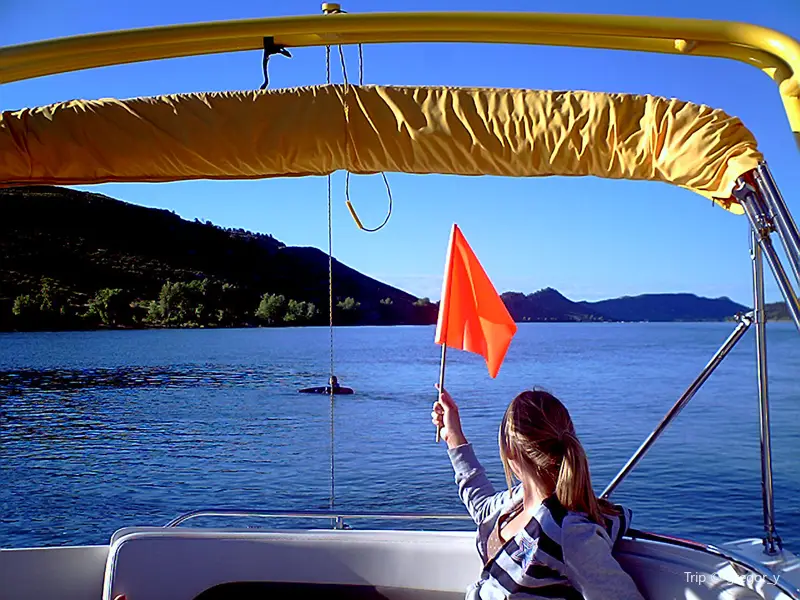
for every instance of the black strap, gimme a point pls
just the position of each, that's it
(270, 48)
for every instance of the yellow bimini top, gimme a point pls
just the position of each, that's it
(318, 130)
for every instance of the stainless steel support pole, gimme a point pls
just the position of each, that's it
(771, 540)
(735, 336)
(782, 218)
(760, 223)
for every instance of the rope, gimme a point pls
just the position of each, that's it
(344, 73)
(328, 64)
(330, 237)
(346, 138)
(330, 296)
(360, 65)
(358, 221)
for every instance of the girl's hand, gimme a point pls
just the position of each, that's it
(445, 415)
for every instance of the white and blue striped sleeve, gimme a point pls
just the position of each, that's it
(474, 488)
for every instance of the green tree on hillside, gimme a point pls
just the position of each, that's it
(49, 300)
(422, 302)
(182, 303)
(272, 309)
(172, 306)
(48, 307)
(299, 312)
(195, 303)
(348, 304)
(25, 306)
(52, 298)
(199, 301)
(348, 310)
(311, 311)
(107, 305)
(225, 305)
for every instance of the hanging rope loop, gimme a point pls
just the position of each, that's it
(353, 210)
(348, 202)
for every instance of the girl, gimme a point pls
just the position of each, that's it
(549, 536)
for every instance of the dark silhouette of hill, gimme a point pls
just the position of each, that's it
(548, 305)
(80, 243)
(666, 307)
(777, 311)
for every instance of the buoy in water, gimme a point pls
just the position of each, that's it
(333, 384)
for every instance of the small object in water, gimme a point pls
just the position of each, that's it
(333, 383)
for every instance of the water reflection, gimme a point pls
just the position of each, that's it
(71, 380)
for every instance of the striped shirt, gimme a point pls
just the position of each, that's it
(558, 554)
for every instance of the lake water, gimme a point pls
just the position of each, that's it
(100, 430)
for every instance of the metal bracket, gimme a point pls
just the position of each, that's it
(747, 195)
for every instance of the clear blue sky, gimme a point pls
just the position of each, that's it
(589, 238)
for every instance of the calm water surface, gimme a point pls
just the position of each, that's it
(101, 430)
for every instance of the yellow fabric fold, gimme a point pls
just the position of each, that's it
(367, 129)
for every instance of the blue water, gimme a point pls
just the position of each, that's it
(100, 430)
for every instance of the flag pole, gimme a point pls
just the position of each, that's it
(441, 387)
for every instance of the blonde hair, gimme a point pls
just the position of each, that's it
(538, 435)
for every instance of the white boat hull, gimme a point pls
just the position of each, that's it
(203, 564)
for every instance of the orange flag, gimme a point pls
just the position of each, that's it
(472, 315)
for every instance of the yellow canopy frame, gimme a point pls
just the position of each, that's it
(776, 54)
(414, 130)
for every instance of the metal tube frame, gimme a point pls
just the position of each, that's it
(337, 517)
(772, 542)
(779, 212)
(767, 212)
(775, 54)
(744, 324)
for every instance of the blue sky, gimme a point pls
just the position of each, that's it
(589, 238)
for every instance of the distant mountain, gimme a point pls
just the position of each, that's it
(666, 307)
(548, 305)
(777, 311)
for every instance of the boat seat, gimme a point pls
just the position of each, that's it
(204, 564)
(208, 564)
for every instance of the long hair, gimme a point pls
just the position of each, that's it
(538, 435)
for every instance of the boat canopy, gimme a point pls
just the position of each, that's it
(368, 129)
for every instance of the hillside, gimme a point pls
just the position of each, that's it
(777, 311)
(66, 253)
(77, 260)
(548, 305)
(666, 307)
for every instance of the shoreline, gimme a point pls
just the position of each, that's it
(355, 325)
